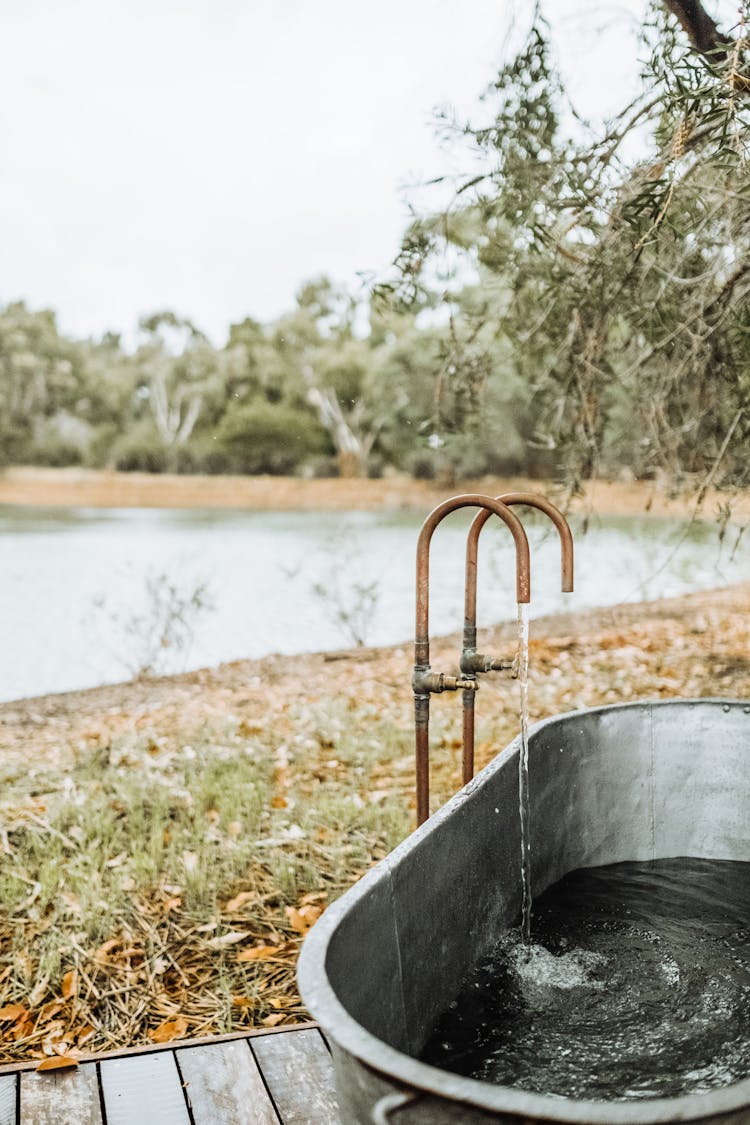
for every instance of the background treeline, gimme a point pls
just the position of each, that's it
(581, 307)
(333, 387)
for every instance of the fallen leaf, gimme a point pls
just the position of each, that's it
(271, 1021)
(311, 912)
(22, 1029)
(84, 1034)
(12, 1012)
(170, 1029)
(260, 953)
(227, 939)
(302, 920)
(239, 901)
(278, 803)
(296, 921)
(49, 1011)
(69, 984)
(104, 950)
(242, 1002)
(58, 1062)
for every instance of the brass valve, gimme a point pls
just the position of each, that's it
(473, 662)
(424, 681)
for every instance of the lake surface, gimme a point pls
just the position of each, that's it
(80, 588)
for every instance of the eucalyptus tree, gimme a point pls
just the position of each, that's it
(616, 288)
(179, 373)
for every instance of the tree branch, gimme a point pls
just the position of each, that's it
(700, 29)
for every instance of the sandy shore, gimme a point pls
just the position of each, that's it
(101, 489)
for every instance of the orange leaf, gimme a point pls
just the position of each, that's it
(12, 1012)
(260, 953)
(238, 901)
(58, 1062)
(49, 1011)
(242, 1002)
(104, 950)
(69, 984)
(271, 1021)
(302, 920)
(278, 803)
(170, 1029)
(311, 913)
(296, 921)
(84, 1034)
(22, 1029)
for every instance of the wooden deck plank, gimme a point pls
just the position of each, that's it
(143, 1089)
(61, 1097)
(174, 1045)
(8, 1099)
(299, 1074)
(223, 1084)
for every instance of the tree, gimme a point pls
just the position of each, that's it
(180, 369)
(618, 288)
(39, 375)
(334, 367)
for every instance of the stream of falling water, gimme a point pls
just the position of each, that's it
(523, 771)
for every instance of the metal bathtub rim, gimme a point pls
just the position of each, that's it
(410, 1073)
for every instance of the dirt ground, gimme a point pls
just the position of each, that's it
(695, 645)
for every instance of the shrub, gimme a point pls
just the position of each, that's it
(263, 437)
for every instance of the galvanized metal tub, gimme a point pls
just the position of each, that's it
(633, 782)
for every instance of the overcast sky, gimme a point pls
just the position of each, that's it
(209, 155)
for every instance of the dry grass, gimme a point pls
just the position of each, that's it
(167, 843)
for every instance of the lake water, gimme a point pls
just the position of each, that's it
(76, 609)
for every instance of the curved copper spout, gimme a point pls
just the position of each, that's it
(422, 680)
(531, 500)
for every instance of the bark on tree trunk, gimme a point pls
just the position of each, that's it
(700, 28)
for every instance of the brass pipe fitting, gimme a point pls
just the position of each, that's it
(424, 681)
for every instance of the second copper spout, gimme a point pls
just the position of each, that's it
(471, 661)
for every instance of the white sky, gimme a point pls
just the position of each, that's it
(209, 155)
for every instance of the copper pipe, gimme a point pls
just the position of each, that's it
(422, 637)
(531, 500)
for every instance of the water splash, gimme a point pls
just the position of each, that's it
(524, 808)
(537, 969)
(637, 986)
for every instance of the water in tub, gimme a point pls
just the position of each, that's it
(636, 985)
